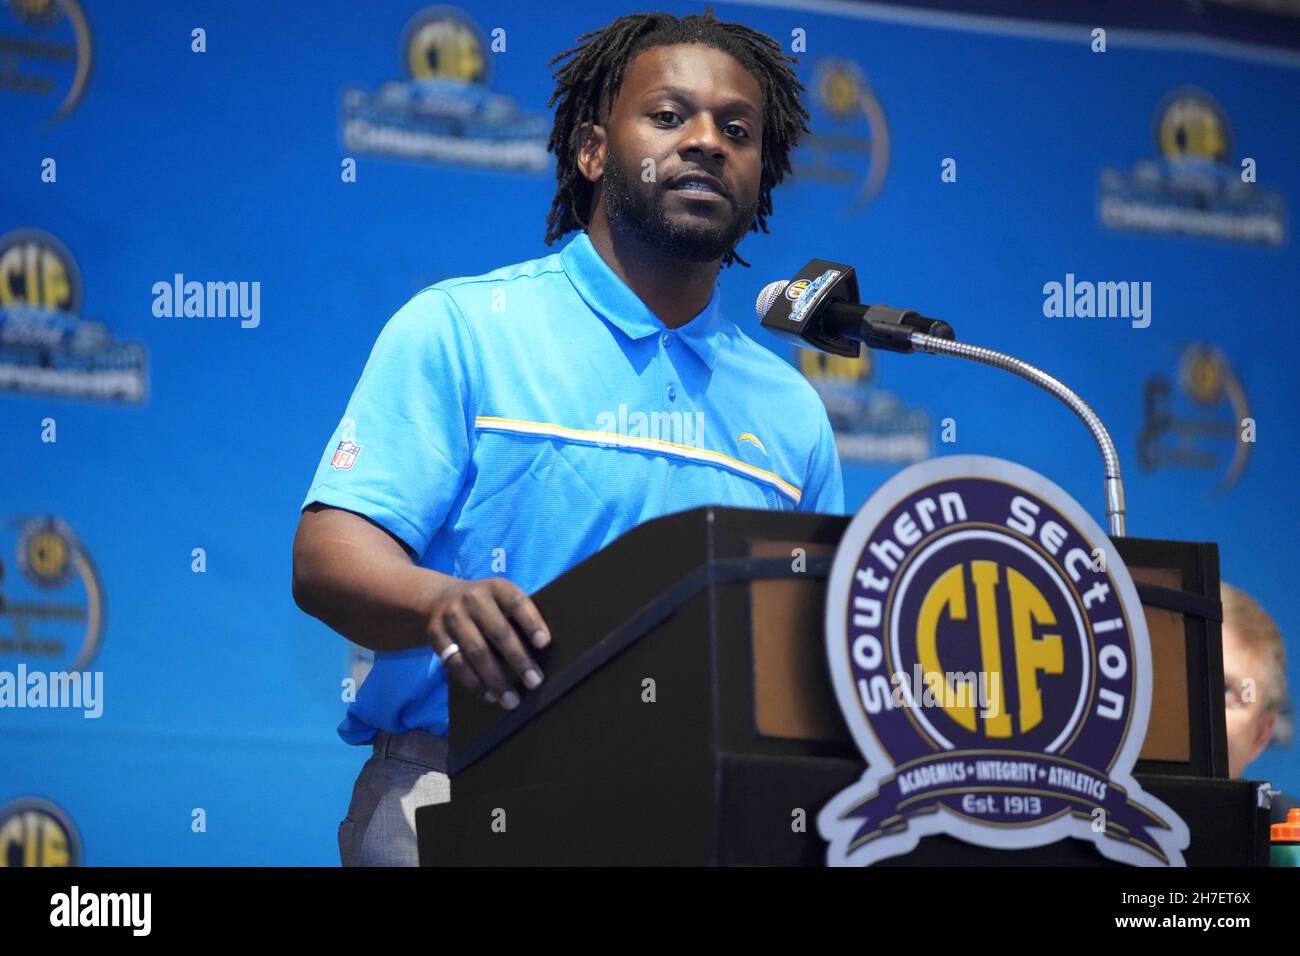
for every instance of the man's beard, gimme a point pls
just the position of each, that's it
(643, 214)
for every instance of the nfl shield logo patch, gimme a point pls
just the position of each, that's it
(345, 455)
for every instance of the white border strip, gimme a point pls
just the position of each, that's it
(1059, 32)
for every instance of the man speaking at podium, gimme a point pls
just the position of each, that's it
(498, 435)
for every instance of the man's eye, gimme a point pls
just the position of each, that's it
(744, 133)
(662, 113)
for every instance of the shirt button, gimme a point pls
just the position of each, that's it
(672, 393)
(667, 339)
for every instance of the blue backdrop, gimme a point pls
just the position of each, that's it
(961, 164)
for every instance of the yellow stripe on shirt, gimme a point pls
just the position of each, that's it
(516, 426)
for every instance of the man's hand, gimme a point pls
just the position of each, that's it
(362, 580)
(480, 618)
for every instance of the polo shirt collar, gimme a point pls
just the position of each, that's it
(612, 299)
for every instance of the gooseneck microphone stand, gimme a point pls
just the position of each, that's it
(826, 313)
(935, 345)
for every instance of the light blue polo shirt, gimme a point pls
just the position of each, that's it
(511, 424)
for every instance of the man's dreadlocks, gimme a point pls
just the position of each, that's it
(587, 85)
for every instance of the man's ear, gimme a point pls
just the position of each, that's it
(1263, 734)
(592, 150)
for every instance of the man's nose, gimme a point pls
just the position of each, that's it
(702, 135)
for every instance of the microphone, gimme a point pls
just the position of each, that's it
(820, 309)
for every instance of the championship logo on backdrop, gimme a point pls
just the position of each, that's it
(872, 425)
(444, 110)
(1205, 423)
(46, 346)
(1198, 186)
(51, 600)
(45, 59)
(854, 127)
(36, 832)
(990, 656)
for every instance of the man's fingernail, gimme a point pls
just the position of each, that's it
(490, 697)
(509, 700)
(532, 677)
(541, 638)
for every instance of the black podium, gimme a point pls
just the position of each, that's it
(687, 716)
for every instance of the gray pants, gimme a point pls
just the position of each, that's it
(406, 771)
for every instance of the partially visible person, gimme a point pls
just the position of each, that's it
(1254, 684)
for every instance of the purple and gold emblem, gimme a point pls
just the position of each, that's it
(991, 658)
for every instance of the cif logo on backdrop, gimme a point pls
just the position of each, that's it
(1191, 126)
(444, 43)
(444, 110)
(45, 59)
(1197, 187)
(46, 346)
(36, 832)
(834, 151)
(51, 599)
(871, 425)
(1204, 422)
(990, 656)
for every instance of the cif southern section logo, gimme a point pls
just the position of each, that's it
(45, 59)
(1203, 423)
(990, 656)
(46, 345)
(850, 148)
(444, 110)
(1197, 186)
(36, 832)
(51, 599)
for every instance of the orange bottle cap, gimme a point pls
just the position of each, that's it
(1289, 831)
